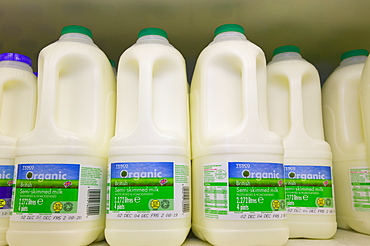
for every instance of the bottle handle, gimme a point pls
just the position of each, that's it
(46, 95)
(145, 111)
(296, 118)
(254, 86)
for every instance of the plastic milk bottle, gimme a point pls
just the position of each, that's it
(18, 95)
(149, 156)
(59, 197)
(238, 189)
(294, 102)
(344, 132)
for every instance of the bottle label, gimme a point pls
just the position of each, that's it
(6, 186)
(57, 193)
(148, 190)
(360, 188)
(309, 190)
(244, 191)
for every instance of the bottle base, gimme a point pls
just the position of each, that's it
(359, 225)
(342, 223)
(3, 236)
(55, 238)
(146, 237)
(218, 237)
(312, 230)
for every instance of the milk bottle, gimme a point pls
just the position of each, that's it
(365, 112)
(61, 165)
(17, 117)
(294, 105)
(238, 190)
(149, 156)
(345, 133)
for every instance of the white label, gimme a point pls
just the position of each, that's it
(57, 193)
(309, 189)
(244, 191)
(148, 190)
(360, 188)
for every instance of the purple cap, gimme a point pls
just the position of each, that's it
(15, 57)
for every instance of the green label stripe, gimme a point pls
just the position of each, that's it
(213, 211)
(266, 182)
(122, 182)
(365, 184)
(304, 196)
(140, 199)
(45, 200)
(256, 187)
(361, 206)
(216, 184)
(214, 191)
(361, 198)
(308, 182)
(5, 183)
(26, 183)
(251, 199)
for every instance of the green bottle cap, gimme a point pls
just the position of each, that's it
(76, 29)
(286, 48)
(229, 28)
(152, 31)
(351, 53)
(112, 63)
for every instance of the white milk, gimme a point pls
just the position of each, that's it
(18, 96)
(233, 152)
(151, 146)
(68, 147)
(344, 132)
(294, 102)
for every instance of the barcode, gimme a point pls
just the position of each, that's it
(185, 199)
(93, 202)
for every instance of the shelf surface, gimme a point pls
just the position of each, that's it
(322, 29)
(341, 238)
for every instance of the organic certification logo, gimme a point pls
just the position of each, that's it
(155, 204)
(276, 204)
(57, 206)
(320, 202)
(2, 203)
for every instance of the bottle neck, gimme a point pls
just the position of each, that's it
(152, 39)
(17, 65)
(77, 37)
(286, 56)
(353, 60)
(226, 36)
